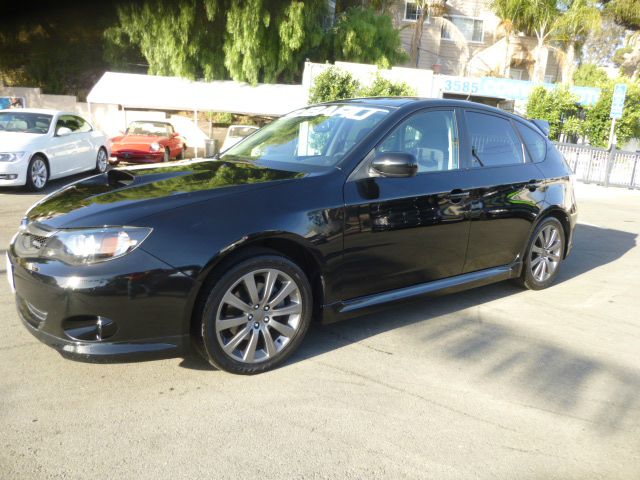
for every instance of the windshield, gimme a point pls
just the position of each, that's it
(241, 131)
(23, 122)
(313, 136)
(156, 129)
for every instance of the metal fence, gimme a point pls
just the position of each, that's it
(599, 165)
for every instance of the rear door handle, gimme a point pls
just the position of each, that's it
(533, 185)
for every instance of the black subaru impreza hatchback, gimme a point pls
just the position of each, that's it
(328, 212)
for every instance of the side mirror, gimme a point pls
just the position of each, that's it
(175, 134)
(62, 131)
(395, 164)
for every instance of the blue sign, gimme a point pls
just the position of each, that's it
(617, 102)
(508, 88)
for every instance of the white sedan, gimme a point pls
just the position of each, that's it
(40, 145)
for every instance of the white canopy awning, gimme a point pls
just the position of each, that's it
(173, 93)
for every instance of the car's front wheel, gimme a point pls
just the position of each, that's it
(544, 254)
(256, 315)
(167, 155)
(37, 173)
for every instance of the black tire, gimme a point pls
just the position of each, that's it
(167, 155)
(530, 277)
(181, 154)
(211, 341)
(33, 183)
(102, 164)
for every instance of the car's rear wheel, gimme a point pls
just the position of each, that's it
(256, 315)
(37, 173)
(167, 155)
(545, 252)
(102, 161)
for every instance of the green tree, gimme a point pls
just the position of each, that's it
(364, 36)
(555, 106)
(627, 14)
(590, 75)
(333, 84)
(508, 11)
(58, 49)
(268, 41)
(381, 87)
(598, 124)
(573, 26)
(175, 38)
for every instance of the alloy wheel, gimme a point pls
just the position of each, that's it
(259, 315)
(102, 161)
(38, 173)
(546, 253)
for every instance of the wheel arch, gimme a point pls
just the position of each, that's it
(290, 246)
(559, 214)
(45, 157)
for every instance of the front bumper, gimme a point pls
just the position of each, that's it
(125, 309)
(18, 170)
(135, 156)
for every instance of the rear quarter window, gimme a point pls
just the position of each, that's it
(535, 143)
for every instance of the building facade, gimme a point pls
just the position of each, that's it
(463, 37)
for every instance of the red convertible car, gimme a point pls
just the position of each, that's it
(147, 142)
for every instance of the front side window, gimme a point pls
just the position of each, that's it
(472, 29)
(493, 140)
(535, 143)
(83, 125)
(23, 122)
(68, 121)
(431, 136)
(317, 136)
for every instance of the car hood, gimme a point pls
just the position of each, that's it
(122, 196)
(16, 142)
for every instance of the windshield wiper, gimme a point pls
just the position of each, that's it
(475, 155)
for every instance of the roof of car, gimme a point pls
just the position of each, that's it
(47, 111)
(399, 102)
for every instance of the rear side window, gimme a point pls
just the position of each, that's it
(535, 143)
(493, 140)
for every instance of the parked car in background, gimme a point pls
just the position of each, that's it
(147, 141)
(235, 133)
(329, 211)
(38, 145)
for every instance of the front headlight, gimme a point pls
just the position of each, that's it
(156, 147)
(12, 156)
(81, 246)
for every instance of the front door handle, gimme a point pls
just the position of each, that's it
(457, 195)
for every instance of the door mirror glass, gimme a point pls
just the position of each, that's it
(395, 164)
(63, 131)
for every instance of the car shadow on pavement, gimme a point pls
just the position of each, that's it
(551, 376)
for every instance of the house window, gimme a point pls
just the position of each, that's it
(412, 12)
(472, 29)
(516, 74)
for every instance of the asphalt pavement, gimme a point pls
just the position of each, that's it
(492, 383)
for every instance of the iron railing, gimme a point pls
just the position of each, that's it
(602, 166)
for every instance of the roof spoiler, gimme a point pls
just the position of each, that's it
(542, 125)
